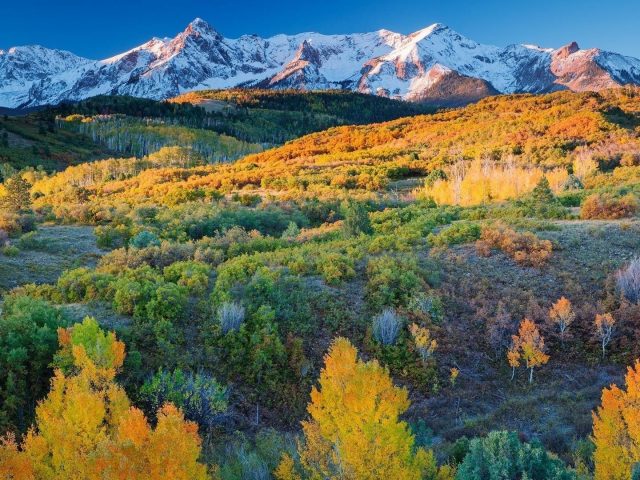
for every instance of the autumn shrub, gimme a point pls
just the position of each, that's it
(604, 206)
(525, 248)
(10, 223)
(459, 232)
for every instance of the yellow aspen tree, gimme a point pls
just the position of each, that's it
(286, 469)
(604, 330)
(616, 429)
(562, 315)
(529, 345)
(354, 431)
(86, 428)
(425, 345)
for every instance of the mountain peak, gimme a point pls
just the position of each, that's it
(431, 64)
(433, 29)
(308, 53)
(564, 52)
(200, 26)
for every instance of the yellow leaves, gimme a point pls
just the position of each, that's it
(528, 345)
(454, 373)
(286, 469)
(14, 465)
(562, 315)
(423, 341)
(174, 448)
(354, 431)
(85, 428)
(86, 346)
(616, 429)
(513, 357)
(484, 180)
(604, 329)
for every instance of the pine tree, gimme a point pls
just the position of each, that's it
(17, 196)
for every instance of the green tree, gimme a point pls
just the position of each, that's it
(28, 342)
(356, 219)
(501, 456)
(542, 192)
(17, 196)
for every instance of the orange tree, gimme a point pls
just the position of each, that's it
(616, 429)
(528, 345)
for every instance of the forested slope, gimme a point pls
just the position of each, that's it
(469, 276)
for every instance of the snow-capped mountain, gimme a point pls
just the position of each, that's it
(434, 65)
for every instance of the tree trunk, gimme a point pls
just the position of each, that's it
(531, 375)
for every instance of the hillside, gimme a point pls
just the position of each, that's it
(32, 141)
(558, 134)
(483, 259)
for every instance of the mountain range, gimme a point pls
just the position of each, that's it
(435, 65)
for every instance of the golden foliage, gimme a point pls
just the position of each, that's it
(86, 429)
(354, 431)
(562, 315)
(527, 345)
(604, 324)
(598, 206)
(514, 139)
(616, 429)
(423, 341)
(484, 180)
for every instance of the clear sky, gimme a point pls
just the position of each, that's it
(101, 28)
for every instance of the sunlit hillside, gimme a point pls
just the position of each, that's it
(431, 298)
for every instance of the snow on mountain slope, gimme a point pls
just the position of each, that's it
(435, 65)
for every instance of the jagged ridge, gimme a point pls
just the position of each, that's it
(435, 65)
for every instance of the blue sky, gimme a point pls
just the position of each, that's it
(98, 29)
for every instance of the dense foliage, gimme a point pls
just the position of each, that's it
(457, 252)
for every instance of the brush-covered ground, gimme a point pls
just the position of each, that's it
(245, 272)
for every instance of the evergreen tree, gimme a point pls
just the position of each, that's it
(17, 196)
